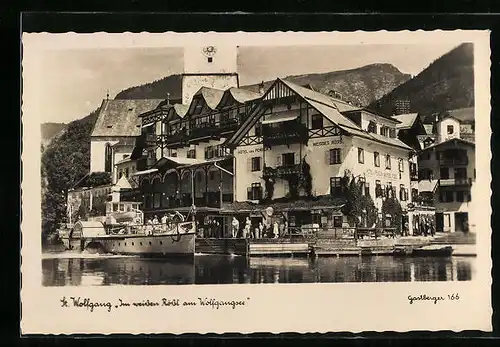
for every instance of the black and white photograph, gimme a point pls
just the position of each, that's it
(225, 162)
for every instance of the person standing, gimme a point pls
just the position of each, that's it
(235, 224)
(276, 230)
(261, 230)
(248, 225)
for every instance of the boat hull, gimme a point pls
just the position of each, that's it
(164, 245)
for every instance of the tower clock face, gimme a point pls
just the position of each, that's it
(209, 51)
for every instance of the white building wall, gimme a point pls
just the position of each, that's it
(243, 175)
(442, 129)
(97, 153)
(196, 61)
(450, 208)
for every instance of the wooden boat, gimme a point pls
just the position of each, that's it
(130, 236)
(433, 251)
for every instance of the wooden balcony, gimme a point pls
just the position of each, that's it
(292, 132)
(228, 126)
(455, 182)
(454, 161)
(176, 140)
(282, 171)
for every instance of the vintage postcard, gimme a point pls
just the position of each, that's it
(256, 182)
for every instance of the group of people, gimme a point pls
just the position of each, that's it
(156, 225)
(271, 230)
(425, 226)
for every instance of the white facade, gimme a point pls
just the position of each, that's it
(99, 155)
(447, 129)
(209, 66)
(456, 187)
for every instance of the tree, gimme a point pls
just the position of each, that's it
(359, 208)
(64, 162)
(392, 207)
(97, 179)
(306, 178)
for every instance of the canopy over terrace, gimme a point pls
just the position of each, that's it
(325, 202)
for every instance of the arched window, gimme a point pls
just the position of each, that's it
(108, 158)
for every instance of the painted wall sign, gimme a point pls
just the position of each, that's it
(328, 142)
(381, 174)
(255, 150)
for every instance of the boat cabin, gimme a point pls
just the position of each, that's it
(122, 206)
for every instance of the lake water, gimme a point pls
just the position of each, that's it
(77, 269)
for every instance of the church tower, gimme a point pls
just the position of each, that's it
(209, 66)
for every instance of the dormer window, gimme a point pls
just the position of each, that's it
(384, 131)
(372, 127)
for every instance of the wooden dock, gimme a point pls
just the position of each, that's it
(285, 247)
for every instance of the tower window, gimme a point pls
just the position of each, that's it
(210, 59)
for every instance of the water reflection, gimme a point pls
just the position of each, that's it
(102, 270)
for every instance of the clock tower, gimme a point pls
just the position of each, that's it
(208, 66)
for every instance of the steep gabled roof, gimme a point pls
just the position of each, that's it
(455, 140)
(211, 96)
(324, 105)
(120, 117)
(406, 120)
(237, 95)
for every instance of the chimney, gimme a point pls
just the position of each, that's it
(261, 88)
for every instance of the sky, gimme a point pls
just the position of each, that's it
(71, 83)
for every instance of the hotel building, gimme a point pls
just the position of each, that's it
(221, 152)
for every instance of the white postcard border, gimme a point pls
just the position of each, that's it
(302, 308)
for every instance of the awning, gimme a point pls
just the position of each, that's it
(147, 125)
(145, 172)
(427, 186)
(276, 118)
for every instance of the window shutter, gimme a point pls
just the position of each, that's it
(327, 157)
(249, 164)
(249, 193)
(296, 158)
(278, 160)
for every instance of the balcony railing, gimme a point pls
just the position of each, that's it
(203, 131)
(228, 125)
(282, 171)
(454, 161)
(455, 182)
(210, 199)
(179, 139)
(216, 152)
(284, 134)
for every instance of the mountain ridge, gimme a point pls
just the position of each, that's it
(446, 84)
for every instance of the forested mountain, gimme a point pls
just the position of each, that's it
(446, 84)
